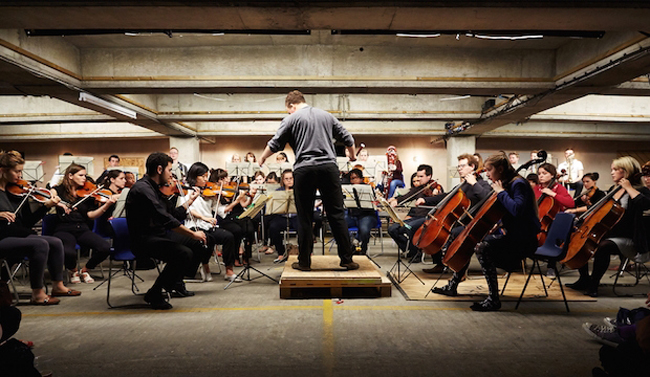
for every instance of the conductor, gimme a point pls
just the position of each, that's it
(310, 131)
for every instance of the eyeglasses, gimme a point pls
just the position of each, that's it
(461, 166)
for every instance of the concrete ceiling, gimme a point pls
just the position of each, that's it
(370, 76)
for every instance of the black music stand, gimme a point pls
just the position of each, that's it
(245, 273)
(399, 278)
(359, 197)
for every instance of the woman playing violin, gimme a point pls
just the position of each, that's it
(630, 237)
(592, 195)
(72, 223)
(202, 218)
(115, 181)
(229, 208)
(18, 240)
(278, 223)
(363, 218)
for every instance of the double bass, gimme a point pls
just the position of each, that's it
(593, 225)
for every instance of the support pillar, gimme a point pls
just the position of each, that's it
(456, 146)
(189, 150)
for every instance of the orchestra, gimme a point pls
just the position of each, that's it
(183, 216)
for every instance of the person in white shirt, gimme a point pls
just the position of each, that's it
(571, 172)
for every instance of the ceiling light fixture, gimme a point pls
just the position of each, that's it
(406, 35)
(505, 37)
(87, 97)
(455, 98)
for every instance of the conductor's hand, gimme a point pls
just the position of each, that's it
(199, 235)
(419, 202)
(262, 160)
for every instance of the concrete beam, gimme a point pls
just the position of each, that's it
(470, 15)
(616, 67)
(30, 109)
(75, 131)
(571, 130)
(598, 108)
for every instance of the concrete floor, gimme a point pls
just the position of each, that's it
(248, 331)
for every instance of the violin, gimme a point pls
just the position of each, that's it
(173, 187)
(211, 190)
(24, 188)
(590, 194)
(99, 193)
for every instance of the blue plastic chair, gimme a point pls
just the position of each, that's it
(121, 252)
(553, 248)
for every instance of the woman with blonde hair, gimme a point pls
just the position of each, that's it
(630, 237)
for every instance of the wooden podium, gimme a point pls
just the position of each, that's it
(328, 280)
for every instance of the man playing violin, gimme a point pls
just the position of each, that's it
(416, 215)
(151, 226)
(474, 187)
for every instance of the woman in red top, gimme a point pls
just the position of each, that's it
(547, 185)
(546, 172)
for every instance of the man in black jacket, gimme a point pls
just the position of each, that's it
(156, 231)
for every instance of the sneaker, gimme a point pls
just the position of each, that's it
(86, 277)
(205, 275)
(604, 334)
(551, 273)
(74, 277)
(234, 278)
(610, 322)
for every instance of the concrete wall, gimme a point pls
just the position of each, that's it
(596, 155)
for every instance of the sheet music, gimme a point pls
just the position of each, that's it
(282, 203)
(242, 169)
(255, 208)
(279, 168)
(364, 197)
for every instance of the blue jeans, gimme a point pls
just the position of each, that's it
(394, 184)
(365, 225)
(398, 233)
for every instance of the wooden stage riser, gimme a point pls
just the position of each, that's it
(334, 292)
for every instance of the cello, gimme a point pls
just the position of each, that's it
(593, 226)
(435, 231)
(490, 211)
(548, 209)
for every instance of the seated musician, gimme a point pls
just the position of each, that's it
(114, 181)
(156, 232)
(520, 223)
(230, 207)
(416, 216)
(547, 186)
(363, 218)
(474, 187)
(202, 218)
(591, 196)
(630, 237)
(278, 223)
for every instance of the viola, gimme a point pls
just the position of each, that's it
(173, 187)
(99, 193)
(24, 188)
(590, 194)
(435, 231)
(593, 226)
(548, 209)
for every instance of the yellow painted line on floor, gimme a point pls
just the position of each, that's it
(327, 307)
(328, 337)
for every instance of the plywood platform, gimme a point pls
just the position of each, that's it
(328, 280)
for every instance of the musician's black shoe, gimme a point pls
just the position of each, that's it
(157, 301)
(486, 305)
(591, 292)
(437, 269)
(447, 290)
(180, 291)
(350, 265)
(579, 285)
(297, 266)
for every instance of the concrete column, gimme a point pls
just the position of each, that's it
(188, 149)
(456, 146)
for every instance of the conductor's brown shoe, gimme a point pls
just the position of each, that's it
(350, 265)
(297, 266)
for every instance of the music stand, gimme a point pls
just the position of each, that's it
(343, 164)
(250, 212)
(359, 197)
(279, 168)
(398, 264)
(283, 203)
(33, 171)
(86, 162)
(241, 169)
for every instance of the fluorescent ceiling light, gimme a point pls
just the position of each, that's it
(405, 35)
(505, 37)
(86, 97)
(455, 98)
